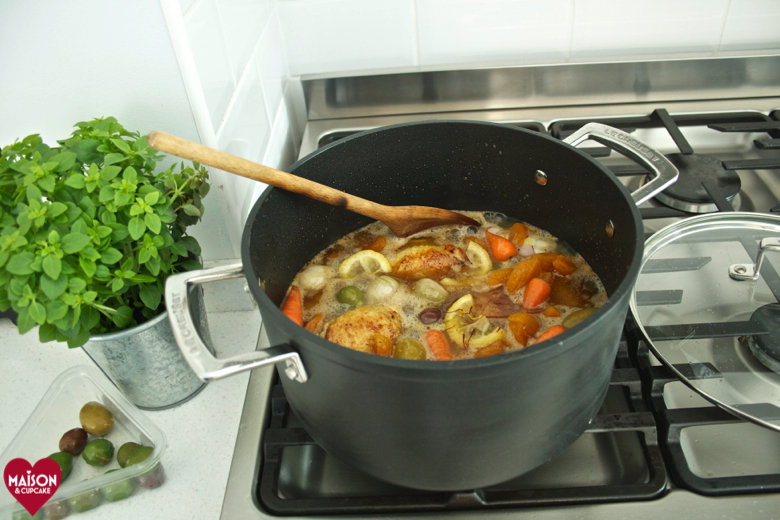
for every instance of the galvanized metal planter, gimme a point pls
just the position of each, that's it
(145, 362)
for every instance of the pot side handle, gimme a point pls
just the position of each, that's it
(665, 174)
(203, 363)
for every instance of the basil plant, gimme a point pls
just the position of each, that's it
(89, 231)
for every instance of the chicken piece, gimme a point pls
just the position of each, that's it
(428, 261)
(355, 329)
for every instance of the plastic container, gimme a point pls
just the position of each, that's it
(57, 413)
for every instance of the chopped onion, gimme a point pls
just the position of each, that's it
(504, 233)
(542, 245)
(430, 290)
(381, 289)
(526, 250)
(315, 277)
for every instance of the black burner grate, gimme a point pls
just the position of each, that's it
(636, 426)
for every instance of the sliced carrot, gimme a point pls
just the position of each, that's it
(546, 260)
(313, 324)
(499, 277)
(518, 234)
(536, 293)
(378, 244)
(293, 306)
(523, 273)
(383, 346)
(563, 265)
(438, 344)
(552, 312)
(501, 248)
(549, 333)
(523, 326)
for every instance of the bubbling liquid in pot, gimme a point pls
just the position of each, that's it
(502, 286)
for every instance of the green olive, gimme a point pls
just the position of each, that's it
(349, 295)
(64, 460)
(124, 452)
(98, 452)
(409, 348)
(117, 490)
(576, 317)
(96, 419)
(85, 501)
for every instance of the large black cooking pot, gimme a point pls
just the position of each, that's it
(442, 425)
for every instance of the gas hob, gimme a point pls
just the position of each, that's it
(656, 449)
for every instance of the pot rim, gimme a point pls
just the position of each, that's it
(352, 357)
(111, 336)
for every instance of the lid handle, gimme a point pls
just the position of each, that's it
(742, 272)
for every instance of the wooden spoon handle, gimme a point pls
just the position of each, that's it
(230, 163)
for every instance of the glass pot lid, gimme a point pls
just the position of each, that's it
(707, 318)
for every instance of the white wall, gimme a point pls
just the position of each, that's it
(64, 62)
(234, 66)
(332, 36)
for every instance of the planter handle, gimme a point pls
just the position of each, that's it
(203, 363)
(665, 174)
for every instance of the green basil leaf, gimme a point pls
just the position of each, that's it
(102, 273)
(47, 332)
(108, 173)
(77, 285)
(152, 198)
(117, 284)
(57, 208)
(136, 227)
(88, 266)
(151, 296)
(33, 193)
(121, 144)
(153, 265)
(37, 312)
(65, 161)
(80, 339)
(52, 266)
(153, 222)
(54, 287)
(48, 182)
(74, 242)
(121, 199)
(123, 316)
(191, 265)
(144, 255)
(179, 249)
(111, 256)
(106, 194)
(24, 322)
(86, 150)
(130, 175)
(191, 244)
(127, 264)
(21, 263)
(144, 278)
(56, 310)
(113, 158)
(191, 210)
(89, 296)
(90, 253)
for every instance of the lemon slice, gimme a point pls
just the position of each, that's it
(479, 258)
(467, 330)
(368, 261)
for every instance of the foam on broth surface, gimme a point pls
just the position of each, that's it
(458, 281)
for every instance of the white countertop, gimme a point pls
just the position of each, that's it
(201, 433)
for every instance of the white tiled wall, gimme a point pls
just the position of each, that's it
(241, 59)
(332, 36)
(231, 55)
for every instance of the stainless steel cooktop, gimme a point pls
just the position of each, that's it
(657, 450)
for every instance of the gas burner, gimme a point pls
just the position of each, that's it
(766, 347)
(689, 194)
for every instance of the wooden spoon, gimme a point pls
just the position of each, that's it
(402, 220)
